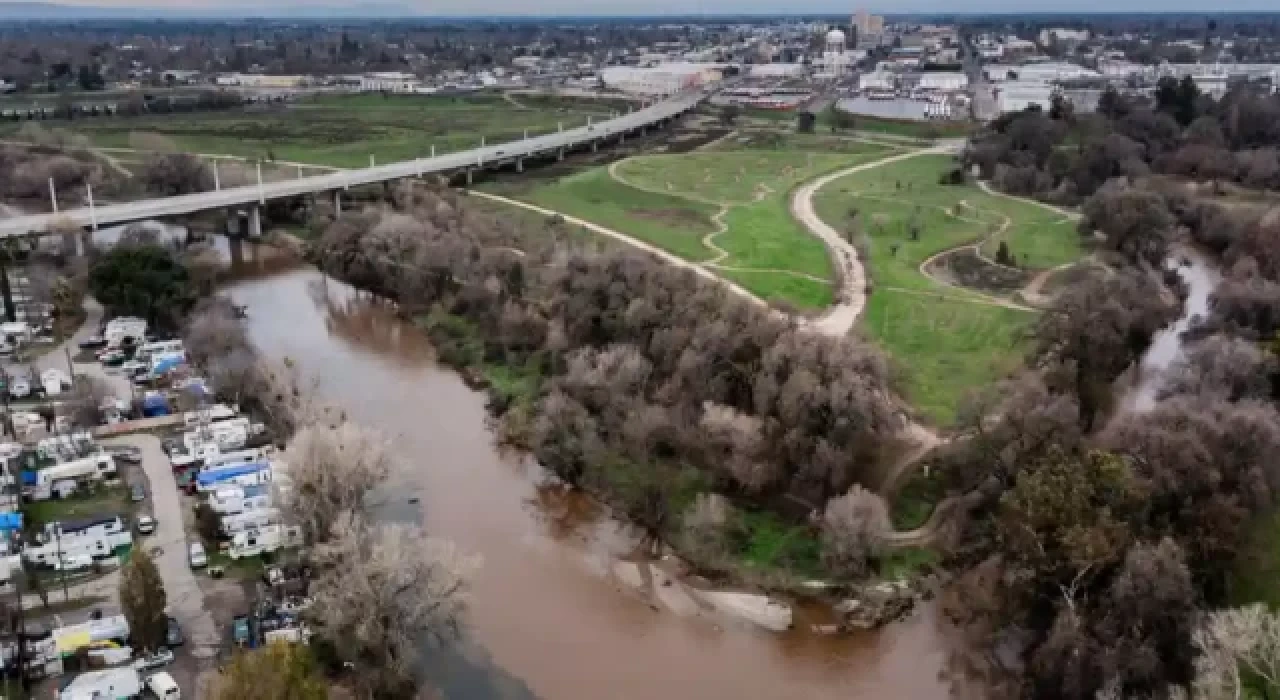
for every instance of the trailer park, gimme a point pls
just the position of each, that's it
(159, 465)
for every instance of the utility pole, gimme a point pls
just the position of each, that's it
(262, 195)
(53, 196)
(217, 183)
(93, 213)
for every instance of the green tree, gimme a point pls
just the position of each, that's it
(143, 280)
(142, 599)
(276, 672)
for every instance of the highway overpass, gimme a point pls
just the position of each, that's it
(93, 217)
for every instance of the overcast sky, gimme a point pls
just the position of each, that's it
(693, 7)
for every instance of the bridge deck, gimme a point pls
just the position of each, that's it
(126, 212)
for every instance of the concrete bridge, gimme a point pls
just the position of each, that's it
(463, 163)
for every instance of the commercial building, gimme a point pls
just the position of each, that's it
(1049, 35)
(778, 70)
(944, 81)
(836, 60)
(660, 80)
(1017, 96)
(391, 82)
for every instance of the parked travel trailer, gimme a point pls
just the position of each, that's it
(63, 448)
(54, 480)
(213, 414)
(118, 330)
(108, 684)
(160, 347)
(268, 539)
(230, 500)
(229, 434)
(249, 520)
(239, 457)
(238, 475)
(95, 538)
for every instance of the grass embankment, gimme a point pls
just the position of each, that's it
(670, 201)
(105, 500)
(343, 130)
(944, 340)
(1257, 567)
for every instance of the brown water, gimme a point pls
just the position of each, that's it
(546, 619)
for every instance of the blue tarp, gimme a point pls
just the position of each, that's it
(154, 404)
(10, 521)
(213, 476)
(167, 364)
(30, 478)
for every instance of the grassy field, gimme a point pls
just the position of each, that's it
(944, 341)
(343, 130)
(670, 201)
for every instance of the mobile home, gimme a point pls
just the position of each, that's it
(268, 539)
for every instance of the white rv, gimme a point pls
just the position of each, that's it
(235, 499)
(118, 330)
(97, 467)
(249, 520)
(213, 414)
(252, 543)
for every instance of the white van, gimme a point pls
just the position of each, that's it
(196, 556)
(163, 686)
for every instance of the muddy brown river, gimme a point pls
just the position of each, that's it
(547, 620)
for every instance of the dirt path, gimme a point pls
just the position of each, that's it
(1065, 214)
(852, 293)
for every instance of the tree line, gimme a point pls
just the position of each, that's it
(641, 382)
(1065, 157)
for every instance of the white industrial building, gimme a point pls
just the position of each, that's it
(945, 81)
(778, 70)
(878, 80)
(1050, 71)
(1048, 35)
(662, 79)
(390, 82)
(1017, 96)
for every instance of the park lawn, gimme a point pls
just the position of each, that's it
(764, 236)
(944, 347)
(341, 130)
(1038, 238)
(732, 177)
(791, 141)
(803, 293)
(674, 224)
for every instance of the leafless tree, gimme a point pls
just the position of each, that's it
(175, 173)
(1232, 640)
(380, 591)
(88, 394)
(332, 470)
(853, 530)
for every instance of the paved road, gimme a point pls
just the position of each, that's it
(238, 196)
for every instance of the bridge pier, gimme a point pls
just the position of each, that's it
(255, 221)
(595, 146)
(337, 203)
(519, 165)
(469, 176)
(560, 153)
(622, 137)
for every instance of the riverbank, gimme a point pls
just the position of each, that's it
(549, 552)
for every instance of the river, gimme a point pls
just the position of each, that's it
(547, 620)
(1167, 346)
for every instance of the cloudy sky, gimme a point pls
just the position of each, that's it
(687, 7)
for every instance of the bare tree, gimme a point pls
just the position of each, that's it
(1230, 640)
(380, 591)
(88, 394)
(330, 471)
(853, 530)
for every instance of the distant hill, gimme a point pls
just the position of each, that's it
(56, 12)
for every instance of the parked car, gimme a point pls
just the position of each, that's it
(196, 555)
(20, 389)
(125, 453)
(137, 493)
(173, 635)
(146, 524)
(163, 657)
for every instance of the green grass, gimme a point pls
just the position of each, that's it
(106, 500)
(765, 542)
(906, 562)
(779, 140)
(676, 196)
(341, 130)
(914, 501)
(946, 348)
(671, 223)
(1256, 574)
